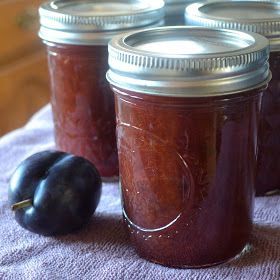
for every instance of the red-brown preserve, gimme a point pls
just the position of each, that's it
(268, 168)
(262, 17)
(187, 125)
(83, 104)
(76, 35)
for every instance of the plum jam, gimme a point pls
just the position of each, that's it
(262, 17)
(268, 169)
(83, 106)
(187, 129)
(76, 34)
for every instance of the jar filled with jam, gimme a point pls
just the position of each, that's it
(187, 106)
(262, 17)
(76, 34)
(175, 10)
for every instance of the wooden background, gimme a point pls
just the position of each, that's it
(24, 84)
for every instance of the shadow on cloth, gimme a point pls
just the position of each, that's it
(264, 247)
(105, 228)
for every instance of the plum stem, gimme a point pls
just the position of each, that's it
(274, 192)
(21, 204)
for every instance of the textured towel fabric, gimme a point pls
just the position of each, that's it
(101, 250)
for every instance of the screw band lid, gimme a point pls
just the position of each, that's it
(91, 22)
(262, 17)
(188, 61)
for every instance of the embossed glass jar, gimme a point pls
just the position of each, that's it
(262, 17)
(175, 10)
(76, 34)
(187, 120)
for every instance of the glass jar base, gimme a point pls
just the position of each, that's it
(171, 264)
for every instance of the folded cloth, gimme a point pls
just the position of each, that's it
(102, 250)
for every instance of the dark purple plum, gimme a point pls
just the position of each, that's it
(54, 192)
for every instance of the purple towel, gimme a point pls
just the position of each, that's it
(102, 250)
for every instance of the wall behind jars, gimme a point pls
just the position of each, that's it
(23, 66)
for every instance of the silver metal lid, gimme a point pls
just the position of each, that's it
(95, 22)
(262, 17)
(188, 61)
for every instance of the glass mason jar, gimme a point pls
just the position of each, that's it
(187, 112)
(175, 10)
(76, 34)
(262, 17)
